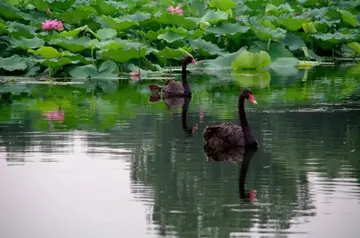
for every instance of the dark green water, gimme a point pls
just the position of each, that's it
(120, 166)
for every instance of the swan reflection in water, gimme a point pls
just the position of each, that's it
(235, 155)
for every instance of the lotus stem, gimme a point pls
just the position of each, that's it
(268, 45)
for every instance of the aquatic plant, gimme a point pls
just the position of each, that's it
(153, 34)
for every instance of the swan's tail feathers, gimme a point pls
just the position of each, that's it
(155, 97)
(154, 88)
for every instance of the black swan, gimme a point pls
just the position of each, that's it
(173, 88)
(227, 134)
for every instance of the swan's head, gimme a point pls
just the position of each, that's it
(248, 95)
(188, 59)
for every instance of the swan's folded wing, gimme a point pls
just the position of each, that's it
(231, 134)
(174, 88)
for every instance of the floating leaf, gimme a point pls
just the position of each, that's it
(46, 51)
(223, 5)
(349, 18)
(251, 60)
(25, 43)
(15, 62)
(208, 47)
(293, 24)
(228, 29)
(222, 62)
(108, 69)
(106, 33)
(170, 36)
(213, 17)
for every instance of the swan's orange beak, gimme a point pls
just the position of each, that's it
(193, 61)
(252, 99)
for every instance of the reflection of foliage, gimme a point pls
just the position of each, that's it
(128, 32)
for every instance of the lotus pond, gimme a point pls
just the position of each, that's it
(110, 163)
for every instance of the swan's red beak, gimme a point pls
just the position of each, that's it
(252, 99)
(193, 61)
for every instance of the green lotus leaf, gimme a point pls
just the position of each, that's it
(73, 33)
(73, 44)
(223, 5)
(85, 71)
(271, 9)
(170, 36)
(213, 17)
(349, 18)
(153, 35)
(259, 78)
(169, 53)
(228, 29)
(109, 7)
(251, 60)
(293, 24)
(3, 28)
(334, 38)
(355, 46)
(309, 27)
(121, 55)
(108, 69)
(285, 66)
(56, 63)
(106, 33)
(78, 14)
(138, 16)
(17, 29)
(9, 12)
(55, 5)
(294, 42)
(266, 31)
(46, 51)
(221, 62)
(167, 18)
(206, 47)
(25, 43)
(116, 23)
(15, 62)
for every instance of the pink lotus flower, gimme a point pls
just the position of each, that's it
(176, 10)
(135, 76)
(52, 24)
(55, 116)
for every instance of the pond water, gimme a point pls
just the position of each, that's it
(114, 164)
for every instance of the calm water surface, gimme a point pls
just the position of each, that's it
(117, 165)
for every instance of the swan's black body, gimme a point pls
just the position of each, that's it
(228, 135)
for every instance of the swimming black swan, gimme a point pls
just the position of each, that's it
(173, 88)
(227, 134)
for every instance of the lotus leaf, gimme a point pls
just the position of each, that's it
(57, 5)
(213, 17)
(15, 62)
(106, 33)
(251, 60)
(116, 23)
(108, 69)
(205, 46)
(169, 53)
(349, 18)
(355, 46)
(9, 12)
(228, 29)
(174, 19)
(170, 36)
(77, 14)
(73, 44)
(293, 24)
(335, 38)
(46, 51)
(294, 42)
(16, 29)
(109, 7)
(121, 55)
(138, 16)
(25, 43)
(223, 5)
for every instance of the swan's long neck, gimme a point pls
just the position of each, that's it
(184, 113)
(184, 79)
(249, 138)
